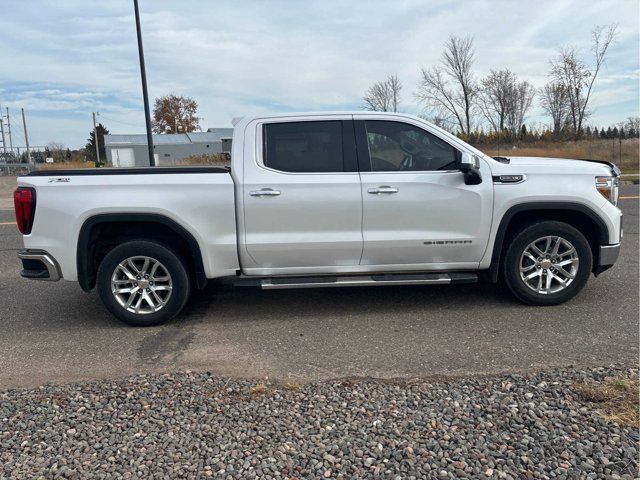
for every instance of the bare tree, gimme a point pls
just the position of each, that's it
(495, 97)
(56, 150)
(519, 103)
(555, 102)
(384, 96)
(449, 87)
(632, 125)
(577, 77)
(504, 101)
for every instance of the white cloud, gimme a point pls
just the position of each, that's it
(242, 57)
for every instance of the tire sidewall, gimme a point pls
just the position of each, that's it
(172, 262)
(527, 235)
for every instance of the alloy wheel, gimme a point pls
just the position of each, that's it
(141, 284)
(549, 264)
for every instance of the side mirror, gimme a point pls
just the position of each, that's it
(470, 166)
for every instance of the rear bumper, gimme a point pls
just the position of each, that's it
(607, 256)
(39, 265)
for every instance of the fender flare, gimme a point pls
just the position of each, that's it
(494, 267)
(87, 280)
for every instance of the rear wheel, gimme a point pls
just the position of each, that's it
(143, 283)
(547, 263)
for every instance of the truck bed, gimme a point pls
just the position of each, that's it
(199, 199)
(127, 171)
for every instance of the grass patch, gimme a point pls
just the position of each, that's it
(626, 154)
(215, 159)
(258, 390)
(65, 165)
(617, 399)
(292, 386)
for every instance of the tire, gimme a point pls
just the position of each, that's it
(569, 269)
(155, 299)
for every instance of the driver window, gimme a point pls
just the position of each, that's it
(396, 146)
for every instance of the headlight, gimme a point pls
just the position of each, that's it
(608, 188)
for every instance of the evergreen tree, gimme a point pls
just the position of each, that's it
(90, 147)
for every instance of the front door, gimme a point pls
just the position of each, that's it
(417, 209)
(302, 200)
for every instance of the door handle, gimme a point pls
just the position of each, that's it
(265, 192)
(383, 189)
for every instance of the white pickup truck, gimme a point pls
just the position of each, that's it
(322, 200)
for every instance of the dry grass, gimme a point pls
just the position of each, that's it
(216, 159)
(617, 399)
(258, 390)
(65, 165)
(625, 155)
(292, 386)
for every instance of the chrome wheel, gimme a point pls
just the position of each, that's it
(549, 264)
(141, 285)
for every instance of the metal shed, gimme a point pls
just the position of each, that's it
(131, 150)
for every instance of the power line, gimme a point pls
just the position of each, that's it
(117, 121)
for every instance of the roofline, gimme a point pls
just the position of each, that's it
(321, 113)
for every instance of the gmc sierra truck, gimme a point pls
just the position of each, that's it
(322, 200)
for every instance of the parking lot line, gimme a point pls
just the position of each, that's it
(7, 223)
(629, 197)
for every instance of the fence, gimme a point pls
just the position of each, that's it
(14, 161)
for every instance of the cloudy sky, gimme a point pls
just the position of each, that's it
(61, 60)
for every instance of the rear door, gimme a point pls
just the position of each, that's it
(302, 198)
(417, 210)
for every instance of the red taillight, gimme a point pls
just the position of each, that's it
(24, 200)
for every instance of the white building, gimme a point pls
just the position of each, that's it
(131, 150)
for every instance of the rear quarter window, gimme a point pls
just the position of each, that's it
(303, 147)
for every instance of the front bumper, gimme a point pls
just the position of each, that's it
(39, 265)
(607, 256)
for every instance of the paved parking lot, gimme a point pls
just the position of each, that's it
(55, 332)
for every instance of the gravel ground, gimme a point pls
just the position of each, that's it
(198, 425)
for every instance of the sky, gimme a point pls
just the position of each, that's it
(61, 60)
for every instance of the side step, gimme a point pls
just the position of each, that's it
(277, 283)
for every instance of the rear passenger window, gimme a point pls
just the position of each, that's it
(304, 147)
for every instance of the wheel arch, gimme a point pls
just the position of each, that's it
(101, 232)
(580, 216)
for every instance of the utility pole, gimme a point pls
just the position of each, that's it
(9, 129)
(26, 137)
(95, 138)
(145, 94)
(4, 142)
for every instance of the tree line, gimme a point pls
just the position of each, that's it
(453, 97)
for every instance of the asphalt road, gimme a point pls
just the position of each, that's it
(53, 332)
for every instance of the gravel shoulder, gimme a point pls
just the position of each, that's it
(194, 425)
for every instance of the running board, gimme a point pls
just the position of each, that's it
(277, 283)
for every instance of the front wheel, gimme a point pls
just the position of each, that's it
(547, 263)
(143, 283)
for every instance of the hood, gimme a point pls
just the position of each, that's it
(559, 165)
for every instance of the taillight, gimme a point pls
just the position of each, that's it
(24, 201)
